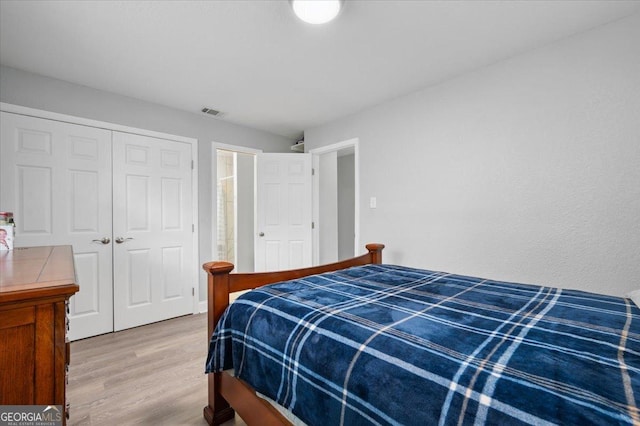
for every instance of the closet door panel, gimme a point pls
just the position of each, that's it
(56, 179)
(87, 302)
(152, 220)
(34, 201)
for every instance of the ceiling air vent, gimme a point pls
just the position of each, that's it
(213, 112)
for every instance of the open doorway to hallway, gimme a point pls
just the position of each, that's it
(336, 210)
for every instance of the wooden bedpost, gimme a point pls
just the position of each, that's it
(375, 251)
(218, 410)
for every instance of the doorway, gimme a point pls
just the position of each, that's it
(234, 227)
(335, 229)
(336, 205)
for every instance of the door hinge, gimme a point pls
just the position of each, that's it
(193, 227)
(191, 164)
(193, 291)
(313, 172)
(313, 225)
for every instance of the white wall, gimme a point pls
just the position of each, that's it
(527, 170)
(328, 207)
(346, 206)
(35, 91)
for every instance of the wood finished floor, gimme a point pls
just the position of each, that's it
(150, 375)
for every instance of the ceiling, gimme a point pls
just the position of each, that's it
(262, 67)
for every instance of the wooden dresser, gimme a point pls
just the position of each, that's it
(35, 286)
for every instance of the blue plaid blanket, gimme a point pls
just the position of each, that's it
(383, 344)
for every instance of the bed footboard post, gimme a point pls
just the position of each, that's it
(375, 251)
(218, 409)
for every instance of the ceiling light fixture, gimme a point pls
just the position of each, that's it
(316, 11)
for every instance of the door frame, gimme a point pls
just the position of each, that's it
(214, 200)
(214, 184)
(316, 152)
(49, 115)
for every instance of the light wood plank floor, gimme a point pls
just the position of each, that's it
(146, 375)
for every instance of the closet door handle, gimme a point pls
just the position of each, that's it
(105, 240)
(121, 240)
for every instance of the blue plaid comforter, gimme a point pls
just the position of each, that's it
(383, 344)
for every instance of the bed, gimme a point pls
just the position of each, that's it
(362, 342)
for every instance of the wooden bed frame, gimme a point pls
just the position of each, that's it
(227, 394)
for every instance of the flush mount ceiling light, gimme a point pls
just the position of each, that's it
(316, 11)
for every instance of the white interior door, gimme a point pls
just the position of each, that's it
(56, 178)
(152, 229)
(283, 212)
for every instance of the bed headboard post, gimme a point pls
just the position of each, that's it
(218, 409)
(218, 290)
(375, 251)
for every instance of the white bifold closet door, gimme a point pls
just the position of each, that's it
(152, 229)
(122, 201)
(56, 178)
